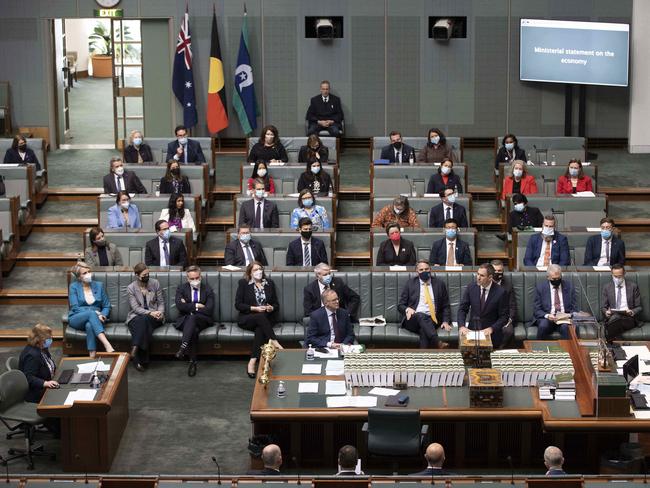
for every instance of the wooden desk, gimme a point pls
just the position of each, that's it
(90, 430)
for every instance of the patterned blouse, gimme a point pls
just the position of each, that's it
(386, 215)
(317, 214)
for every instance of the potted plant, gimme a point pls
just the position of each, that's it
(100, 48)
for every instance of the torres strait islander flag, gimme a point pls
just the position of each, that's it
(217, 113)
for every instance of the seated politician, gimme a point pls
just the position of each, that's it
(268, 148)
(177, 216)
(484, 306)
(37, 363)
(258, 306)
(448, 209)
(329, 325)
(244, 250)
(100, 252)
(424, 304)
(605, 249)
(183, 149)
(315, 180)
(89, 308)
(325, 280)
(258, 212)
(397, 151)
(552, 297)
(124, 214)
(137, 151)
(620, 304)
(445, 178)
(436, 149)
(451, 250)
(519, 181)
(174, 181)
(400, 211)
(325, 113)
(195, 304)
(307, 207)
(120, 179)
(271, 459)
(574, 180)
(313, 151)
(20, 153)
(547, 247)
(260, 172)
(522, 216)
(146, 313)
(307, 250)
(165, 249)
(435, 457)
(395, 251)
(508, 152)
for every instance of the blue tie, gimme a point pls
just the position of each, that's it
(196, 296)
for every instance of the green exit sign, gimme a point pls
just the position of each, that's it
(109, 12)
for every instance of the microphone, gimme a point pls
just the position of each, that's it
(78, 459)
(295, 462)
(408, 181)
(512, 470)
(214, 460)
(432, 476)
(6, 463)
(643, 463)
(599, 331)
(536, 153)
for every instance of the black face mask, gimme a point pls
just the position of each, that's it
(556, 282)
(397, 145)
(176, 171)
(497, 276)
(306, 234)
(100, 243)
(144, 279)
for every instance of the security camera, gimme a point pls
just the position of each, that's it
(324, 28)
(442, 29)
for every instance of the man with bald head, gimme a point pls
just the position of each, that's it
(272, 459)
(553, 460)
(435, 456)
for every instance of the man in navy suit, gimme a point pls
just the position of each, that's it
(329, 326)
(488, 303)
(165, 250)
(397, 151)
(435, 456)
(258, 212)
(306, 251)
(244, 250)
(549, 247)
(121, 180)
(553, 460)
(184, 150)
(448, 209)
(450, 251)
(325, 112)
(553, 296)
(325, 280)
(605, 249)
(424, 302)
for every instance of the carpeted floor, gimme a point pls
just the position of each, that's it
(91, 112)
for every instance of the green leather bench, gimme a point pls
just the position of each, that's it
(422, 206)
(577, 244)
(293, 144)
(10, 242)
(569, 211)
(378, 143)
(287, 204)
(285, 178)
(543, 148)
(158, 147)
(390, 180)
(150, 176)
(19, 182)
(39, 146)
(546, 176)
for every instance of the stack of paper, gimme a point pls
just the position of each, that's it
(546, 389)
(351, 401)
(92, 367)
(311, 368)
(334, 367)
(335, 387)
(85, 395)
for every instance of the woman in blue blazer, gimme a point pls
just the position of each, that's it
(37, 364)
(123, 213)
(89, 308)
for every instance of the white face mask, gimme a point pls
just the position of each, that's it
(517, 173)
(261, 172)
(445, 170)
(195, 283)
(119, 171)
(87, 278)
(258, 274)
(124, 205)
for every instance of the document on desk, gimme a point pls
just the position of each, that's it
(230, 267)
(397, 268)
(351, 401)
(311, 368)
(584, 194)
(631, 351)
(92, 367)
(383, 391)
(330, 354)
(476, 335)
(602, 268)
(334, 367)
(335, 387)
(85, 395)
(307, 387)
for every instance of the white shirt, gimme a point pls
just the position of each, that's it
(243, 248)
(623, 296)
(422, 303)
(398, 155)
(540, 260)
(321, 288)
(302, 247)
(559, 290)
(448, 242)
(163, 262)
(325, 99)
(119, 183)
(603, 261)
(329, 319)
(446, 206)
(255, 202)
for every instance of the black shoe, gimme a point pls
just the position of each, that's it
(180, 354)
(139, 367)
(191, 370)
(251, 375)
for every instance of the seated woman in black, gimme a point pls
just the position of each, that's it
(37, 364)
(268, 148)
(19, 153)
(315, 179)
(257, 303)
(396, 251)
(136, 151)
(445, 178)
(174, 181)
(313, 151)
(508, 152)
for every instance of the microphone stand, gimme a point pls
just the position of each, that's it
(6, 463)
(512, 470)
(295, 462)
(214, 460)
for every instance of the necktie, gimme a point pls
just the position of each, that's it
(450, 255)
(618, 296)
(195, 295)
(249, 254)
(556, 292)
(448, 213)
(166, 251)
(307, 255)
(335, 326)
(120, 184)
(483, 295)
(258, 216)
(547, 254)
(399, 156)
(607, 251)
(432, 307)
(185, 154)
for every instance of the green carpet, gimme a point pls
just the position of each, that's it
(91, 112)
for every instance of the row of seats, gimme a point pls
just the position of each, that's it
(379, 292)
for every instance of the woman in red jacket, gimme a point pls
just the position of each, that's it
(574, 180)
(519, 181)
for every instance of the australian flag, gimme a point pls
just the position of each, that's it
(183, 79)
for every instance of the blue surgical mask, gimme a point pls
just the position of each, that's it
(182, 140)
(245, 238)
(574, 171)
(315, 169)
(259, 194)
(510, 146)
(451, 198)
(425, 276)
(445, 170)
(519, 207)
(618, 281)
(606, 234)
(435, 139)
(47, 343)
(308, 202)
(327, 279)
(165, 235)
(137, 141)
(451, 233)
(517, 173)
(548, 231)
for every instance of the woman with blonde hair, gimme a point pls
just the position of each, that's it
(137, 152)
(37, 364)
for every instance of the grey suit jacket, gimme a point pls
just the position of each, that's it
(112, 252)
(154, 296)
(632, 294)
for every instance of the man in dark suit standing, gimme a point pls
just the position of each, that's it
(306, 251)
(621, 301)
(508, 330)
(435, 456)
(195, 304)
(448, 209)
(450, 251)
(553, 460)
(244, 250)
(165, 250)
(397, 151)
(553, 297)
(330, 325)
(258, 212)
(272, 459)
(121, 180)
(424, 302)
(605, 249)
(325, 280)
(184, 150)
(488, 303)
(549, 247)
(325, 112)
